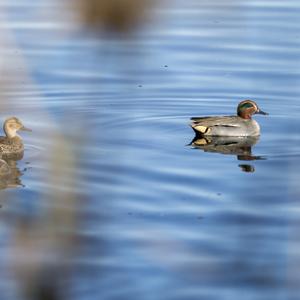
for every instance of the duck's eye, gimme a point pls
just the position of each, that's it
(12, 125)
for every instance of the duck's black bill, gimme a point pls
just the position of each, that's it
(260, 112)
(25, 129)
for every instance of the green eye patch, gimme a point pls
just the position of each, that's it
(246, 105)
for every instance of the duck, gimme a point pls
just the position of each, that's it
(11, 144)
(240, 125)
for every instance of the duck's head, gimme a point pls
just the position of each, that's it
(12, 125)
(247, 108)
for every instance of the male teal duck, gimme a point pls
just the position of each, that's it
(240, 125)
(12, 143)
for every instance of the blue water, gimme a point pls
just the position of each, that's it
(158, 217)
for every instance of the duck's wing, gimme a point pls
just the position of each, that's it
(228, 121)
(3, 139)
(216, 125)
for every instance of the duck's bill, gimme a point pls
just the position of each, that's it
(23, 128)
(260, 112)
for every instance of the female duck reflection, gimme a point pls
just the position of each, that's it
(11, 150)
(239, 146)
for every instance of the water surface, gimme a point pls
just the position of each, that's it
(160, 218)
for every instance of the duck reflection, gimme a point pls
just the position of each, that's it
(239, 146)
(9, 172)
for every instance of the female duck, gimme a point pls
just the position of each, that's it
(240, 125)
(12, 144)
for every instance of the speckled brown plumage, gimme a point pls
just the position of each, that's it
(11, 145)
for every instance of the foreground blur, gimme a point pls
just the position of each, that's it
(44, 246)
